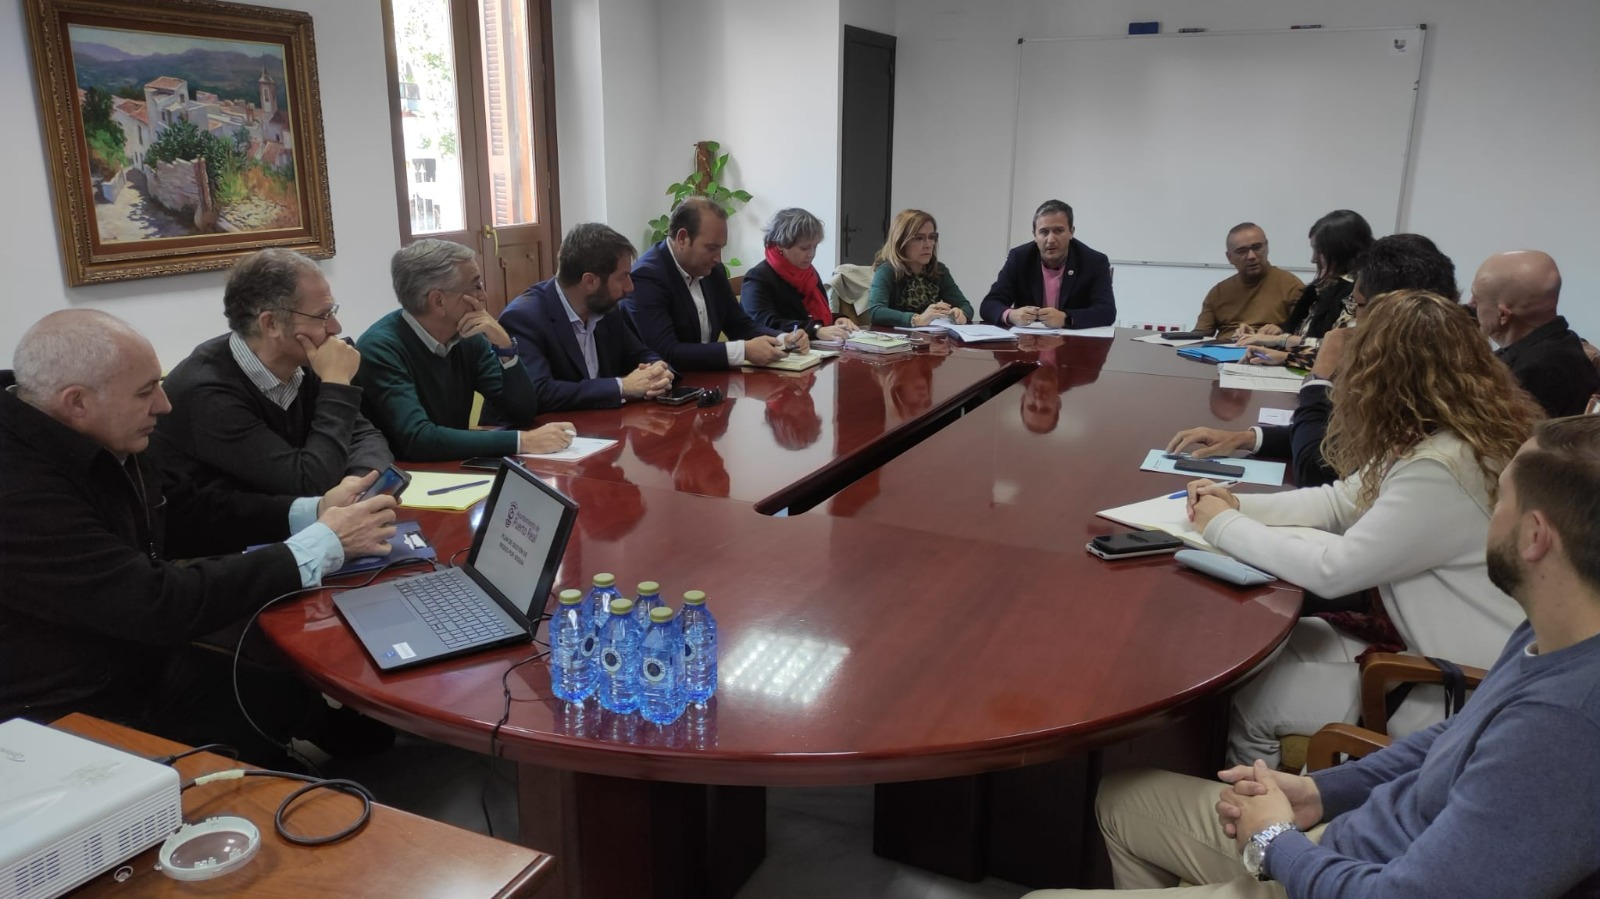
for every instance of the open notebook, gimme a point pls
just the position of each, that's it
(1162, 514)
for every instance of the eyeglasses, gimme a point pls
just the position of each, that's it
(334, 310)
(923, 238)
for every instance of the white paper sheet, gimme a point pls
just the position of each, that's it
(580, 448)
(1275, 416)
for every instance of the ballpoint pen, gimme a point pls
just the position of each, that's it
(438, 490)
(1185, 492)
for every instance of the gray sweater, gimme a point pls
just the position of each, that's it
(1501, 800)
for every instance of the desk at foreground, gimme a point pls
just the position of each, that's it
(396, 854)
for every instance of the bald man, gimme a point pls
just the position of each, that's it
(1514, 295)
(94, 616)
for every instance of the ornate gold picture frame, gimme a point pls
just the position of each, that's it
(181, 134)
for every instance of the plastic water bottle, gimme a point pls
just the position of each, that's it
(619, 659)
(661, 698)
(572, 643)
(649, 598)
(699, 628)
(601, 594)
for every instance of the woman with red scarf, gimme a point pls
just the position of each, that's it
(783, 291)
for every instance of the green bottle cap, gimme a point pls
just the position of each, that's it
(571, 597)
(694, 598)
(661, 614)
(604, 579)
(621, 606)
(647, 587)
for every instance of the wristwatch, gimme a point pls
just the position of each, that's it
(1254, 855)
(507, 352)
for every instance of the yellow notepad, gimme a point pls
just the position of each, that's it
(459, 499)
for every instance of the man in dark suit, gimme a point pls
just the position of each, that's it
(682, 299)
(1515, 296)
(578, 353)
(1056, 280)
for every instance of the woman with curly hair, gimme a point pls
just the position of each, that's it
(910, 286)
(1424, 419)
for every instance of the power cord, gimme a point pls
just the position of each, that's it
(312, 784)
(505, 715)
(238, 650)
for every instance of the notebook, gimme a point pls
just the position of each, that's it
(878, 342)
(797, 361)
(1164, 513)
(1212, 353)
(489, 600)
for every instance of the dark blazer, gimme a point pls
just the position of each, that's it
(1322, 307)
(91, 610)
(549, 350)
(1549, 363)
(666, 319)
(224, 431)
(774, 302)
(1085, 288)
(1300, 441)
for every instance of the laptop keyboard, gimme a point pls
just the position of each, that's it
(457, 614)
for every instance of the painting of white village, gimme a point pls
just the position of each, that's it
(185, 135)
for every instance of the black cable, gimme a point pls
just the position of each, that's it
(312, 784)
(219, 748)
(286, 746)
(505, 715)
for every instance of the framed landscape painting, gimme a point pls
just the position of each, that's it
(180, 134)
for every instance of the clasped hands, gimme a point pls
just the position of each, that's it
(1257, 797)
(648, 381)
(1027, 315)
(936, 311)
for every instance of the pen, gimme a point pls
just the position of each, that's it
(438, 490)
(1183, 493)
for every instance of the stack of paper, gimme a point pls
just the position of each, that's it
(579, 448)
(877, 342)
(1257, 377)
(978, 333)
(1036, 328)
(1158, 340)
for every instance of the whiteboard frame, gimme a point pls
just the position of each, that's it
(1401, 205)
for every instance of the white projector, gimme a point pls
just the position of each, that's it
(71, 809)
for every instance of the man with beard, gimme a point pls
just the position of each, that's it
(579, 352)
(1258, 294)
(1501, 800)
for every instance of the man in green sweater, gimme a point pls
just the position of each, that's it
(421, 364)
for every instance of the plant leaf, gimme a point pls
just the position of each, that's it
(733, 262)
(721, 161)
(742, 196)
(675, 187)
(712, 187)
(712, 147)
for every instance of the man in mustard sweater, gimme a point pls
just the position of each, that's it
(421, 364)
(1259, 294)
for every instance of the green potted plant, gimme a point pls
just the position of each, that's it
(705, 180)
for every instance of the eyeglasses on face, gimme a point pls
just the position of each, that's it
(324, 317)
(923, 238)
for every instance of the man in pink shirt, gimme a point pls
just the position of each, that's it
(1056, 280)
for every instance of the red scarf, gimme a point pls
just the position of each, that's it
(804, 280)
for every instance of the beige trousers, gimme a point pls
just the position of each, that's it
(1161, 828)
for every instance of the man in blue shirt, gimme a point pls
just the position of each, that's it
(1501, 800)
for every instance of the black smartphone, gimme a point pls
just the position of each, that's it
(392, 482)
(482, 463)
(1134, 543)
(1184, 335)
(677, 396)
(1206, 466)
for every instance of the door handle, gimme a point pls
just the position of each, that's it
(491, 233)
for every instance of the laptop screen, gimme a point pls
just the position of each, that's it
(524, 533)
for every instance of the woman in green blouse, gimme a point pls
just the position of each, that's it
(911, 286)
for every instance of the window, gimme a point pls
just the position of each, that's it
(474, 133)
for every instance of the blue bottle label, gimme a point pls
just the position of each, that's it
(654, 671)
(589, 644)
(610, 660)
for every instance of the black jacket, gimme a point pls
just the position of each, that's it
(1549, 363)
(774, 302)
(664, 313)
(1322, 307)
(89, 605)
(550, 352)
(1086, 294)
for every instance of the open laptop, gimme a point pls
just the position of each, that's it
(489, 601)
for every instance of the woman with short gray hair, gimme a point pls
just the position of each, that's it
(784, 291)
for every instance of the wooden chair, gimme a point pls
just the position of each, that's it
(1377, 673)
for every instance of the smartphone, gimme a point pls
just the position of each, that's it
(1184, 335)
(482, 463)
(677, 396)
(1133, 544)
(1206, 466)
(392, 482)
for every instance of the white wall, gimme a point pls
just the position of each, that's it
(1508, 120)
(179, 312)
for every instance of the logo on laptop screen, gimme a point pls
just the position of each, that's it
(522, 524)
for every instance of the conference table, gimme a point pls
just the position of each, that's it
(893, 547)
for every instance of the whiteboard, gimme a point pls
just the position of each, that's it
(1161, 143)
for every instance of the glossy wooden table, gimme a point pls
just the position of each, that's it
(397, 854)
(937, 618)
